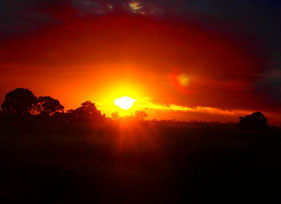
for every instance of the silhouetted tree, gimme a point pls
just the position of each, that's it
(20, 101)
(255, 121)
(87, 110)
(48, 105)
(141, 115)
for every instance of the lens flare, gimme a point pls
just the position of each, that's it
(183, 79)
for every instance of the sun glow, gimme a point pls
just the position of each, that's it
(124, 102)
(121, 97)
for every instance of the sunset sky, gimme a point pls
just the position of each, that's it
(182, 59)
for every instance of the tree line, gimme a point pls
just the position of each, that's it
(21, 101)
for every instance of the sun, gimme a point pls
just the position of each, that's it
(124, 102)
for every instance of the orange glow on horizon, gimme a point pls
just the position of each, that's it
(123, 97)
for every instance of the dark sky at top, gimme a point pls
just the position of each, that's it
(259, 18)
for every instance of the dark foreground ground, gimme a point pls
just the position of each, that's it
(51, 161)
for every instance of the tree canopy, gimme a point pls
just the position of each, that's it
(20, 101)
(87, 110)
(47, 104)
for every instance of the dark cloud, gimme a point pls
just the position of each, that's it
(20, 17)
(92, 8)
(259, 19)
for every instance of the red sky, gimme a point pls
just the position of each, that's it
(203, 73)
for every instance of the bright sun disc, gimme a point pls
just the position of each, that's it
(124, 102)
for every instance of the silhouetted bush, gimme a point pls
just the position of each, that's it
(256, 121)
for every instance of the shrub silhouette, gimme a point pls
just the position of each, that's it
(255, 121)
(20, 101)
(87, 110)
(48, 105)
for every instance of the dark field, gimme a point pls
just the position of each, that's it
(56, 161)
